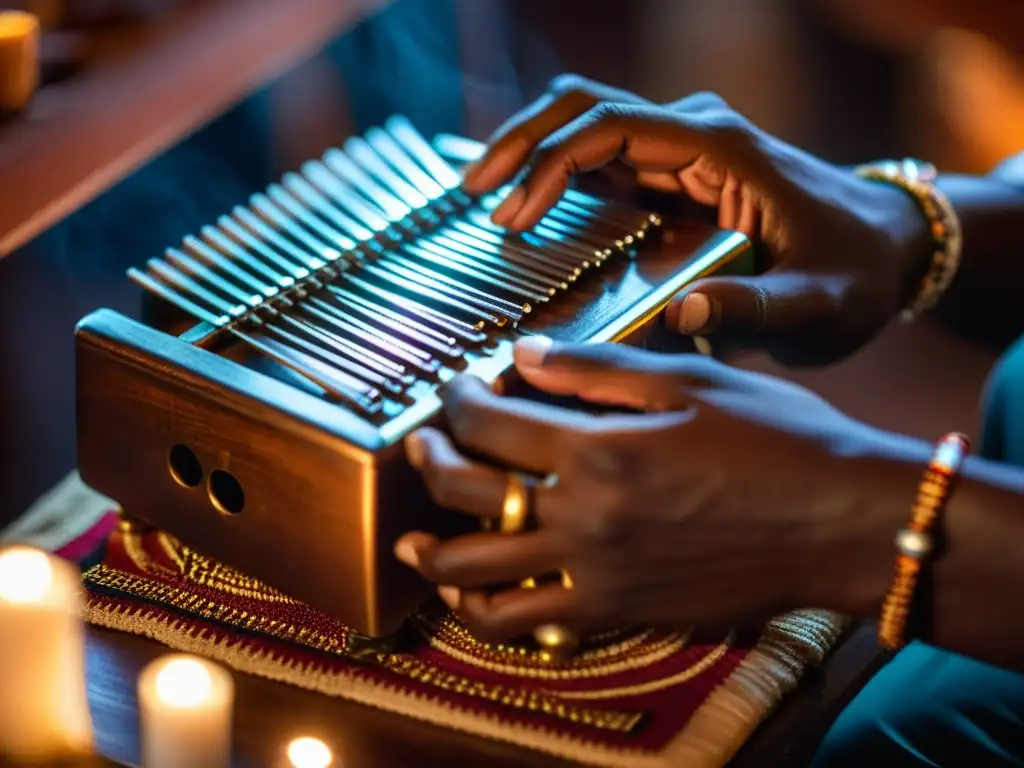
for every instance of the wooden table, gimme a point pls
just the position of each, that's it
(142, 89)
(269, 715)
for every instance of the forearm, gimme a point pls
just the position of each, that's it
(985, 298)
(978, 579)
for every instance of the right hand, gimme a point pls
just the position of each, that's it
(844, 254)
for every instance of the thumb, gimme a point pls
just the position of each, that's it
(773, 303)
(610, 374)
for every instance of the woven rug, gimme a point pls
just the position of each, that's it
(629, 698)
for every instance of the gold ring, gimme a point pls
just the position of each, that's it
(515, 509)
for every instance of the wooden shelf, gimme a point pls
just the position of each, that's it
(147, 88)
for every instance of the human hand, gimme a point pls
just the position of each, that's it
(844, 254)
(726, 499)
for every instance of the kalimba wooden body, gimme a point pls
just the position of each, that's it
(274, 461)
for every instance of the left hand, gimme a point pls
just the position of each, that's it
(725, 500)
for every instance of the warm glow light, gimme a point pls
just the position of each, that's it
(25, 575)
(184, 683)
(17, 25)
(308, 752)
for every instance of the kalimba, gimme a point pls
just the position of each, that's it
(327, 313)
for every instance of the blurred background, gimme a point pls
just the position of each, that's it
(851, 80)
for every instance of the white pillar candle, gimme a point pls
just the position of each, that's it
(44, 713)
(185, 708)
(308, 752)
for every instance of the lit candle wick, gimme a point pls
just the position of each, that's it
(25, 575)
(183, 684)
(308, 752)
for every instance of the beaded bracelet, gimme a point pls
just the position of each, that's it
(916, 542)
(917, 180)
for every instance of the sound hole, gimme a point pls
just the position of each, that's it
(226, 492)
(185, 467)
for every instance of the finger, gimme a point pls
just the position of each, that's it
(517, 612)
(698, 102)
(516, 433)
(453, 481)
(610, 374)
(646, 138)
(484, 560)
(567, 97)
(662, 181)
(771, 304)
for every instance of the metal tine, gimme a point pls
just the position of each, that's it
(368, 357)
(302, 215)
(238, 255)
(445, 345)
(241, 237)
(365, 155)
(537, 272)
(346, 388)
(539, 237)
(326, 354)
(452, 257)
(327, 254)
(194, 290)
(343, 178)
(463, 230)
(388, 383)
(407, 353)
(359, 396)
(406, 135)
(197, 271)
(470, 333)
(444, 284)
(308, 194)
(393, 153)
(263, 255)
(412, 284)
(392, 261)
(173, 297)
(211, 257)
(395, 211)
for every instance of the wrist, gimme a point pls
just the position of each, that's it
(879, 473)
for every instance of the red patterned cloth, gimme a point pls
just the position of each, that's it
(629, 698)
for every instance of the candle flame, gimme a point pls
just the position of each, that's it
(308, 752)
(25, 575)
(184, 683)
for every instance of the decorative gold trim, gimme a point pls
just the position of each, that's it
(710, 738)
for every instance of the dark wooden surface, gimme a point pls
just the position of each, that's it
(141, 89)
(269, 715)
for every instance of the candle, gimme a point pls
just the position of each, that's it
(19, 59)
(44, 713)
(185, 707)
(308, 752)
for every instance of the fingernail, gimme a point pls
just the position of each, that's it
(407, 553)
(414, 449)
(508, 209)
(695, 313)
(451, 596)
(530, 351)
